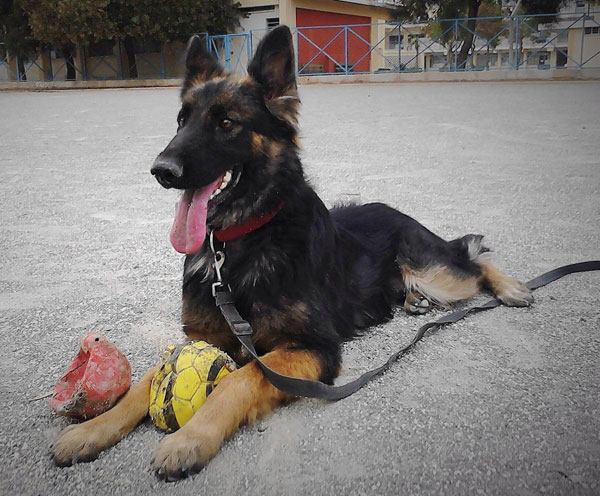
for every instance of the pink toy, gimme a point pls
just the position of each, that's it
(94, 380)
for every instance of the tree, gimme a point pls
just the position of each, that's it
(67, 23)
(542, 6)
(488, 29)
(422, 9)
(536, 7)
(414, 10)
(453, 9)
(532, 7)
(446, 9)
(175, 19)
(16, 34)
(157, 20)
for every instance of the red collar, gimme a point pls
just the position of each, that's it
(252, 224)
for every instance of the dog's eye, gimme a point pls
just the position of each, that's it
(226, 124)
(182, 117)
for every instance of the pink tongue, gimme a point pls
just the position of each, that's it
(189, 228)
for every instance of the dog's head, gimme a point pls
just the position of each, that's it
(235, 147)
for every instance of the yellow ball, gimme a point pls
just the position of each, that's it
(187, 374)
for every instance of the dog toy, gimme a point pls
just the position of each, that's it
(185, 377)
(98, 375)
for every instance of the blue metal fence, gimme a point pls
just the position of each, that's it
(494, 43)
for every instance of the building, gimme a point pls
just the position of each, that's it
(323, 44)
(340, 36)
(265, 14)
(570, 42)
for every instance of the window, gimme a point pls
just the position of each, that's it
(486, 59)
(592, 30)
(393, 40)
(272, 22)
(103, 48)
(253, 10)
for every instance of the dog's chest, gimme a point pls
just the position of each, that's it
(200, 266)
(242, 270)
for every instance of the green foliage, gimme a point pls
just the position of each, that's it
(420, 9)
(488, 28)
(69, 22)
(14, 29)
(448, 9)
(542, 6)
(410, 10)
(175, 19)
(451, 9)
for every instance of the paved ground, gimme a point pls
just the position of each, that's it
(504, 403)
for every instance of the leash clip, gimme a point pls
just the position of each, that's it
(219, 260)
(218, 263)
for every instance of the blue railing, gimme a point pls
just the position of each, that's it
(492, 43)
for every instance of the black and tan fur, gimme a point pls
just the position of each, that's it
(306, 281)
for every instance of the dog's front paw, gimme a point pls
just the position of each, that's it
(514, 293)
(78, 443)
(186, 452)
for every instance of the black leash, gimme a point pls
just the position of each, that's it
(315, 389)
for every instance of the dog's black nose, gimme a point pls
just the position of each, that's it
(167, 172)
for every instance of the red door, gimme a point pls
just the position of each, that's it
(323, 49)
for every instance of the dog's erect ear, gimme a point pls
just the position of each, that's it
(200, 65)
(273, 64)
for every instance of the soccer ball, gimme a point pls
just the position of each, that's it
(187, 374)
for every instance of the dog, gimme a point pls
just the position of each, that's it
(305, 277)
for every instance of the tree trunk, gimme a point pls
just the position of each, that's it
(21, 69)
(130, 52)
(69, 63)
(461, 60)
(44, 55)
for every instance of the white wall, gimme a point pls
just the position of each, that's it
(258, 20)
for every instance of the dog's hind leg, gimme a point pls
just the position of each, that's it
(508, 290)
(438, 272)
(241, 397)
(83, 442)
(455, 271)
(438, 284)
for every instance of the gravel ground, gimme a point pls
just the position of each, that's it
(506, 402)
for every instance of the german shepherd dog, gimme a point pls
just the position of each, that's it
(305, 277)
